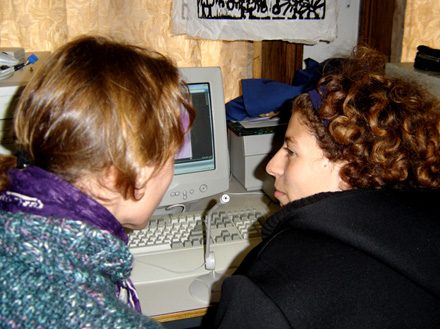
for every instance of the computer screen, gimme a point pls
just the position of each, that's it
(201, 166)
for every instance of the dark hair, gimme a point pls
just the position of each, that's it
(97, 103)
(386, 130)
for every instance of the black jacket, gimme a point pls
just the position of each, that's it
(353, 259)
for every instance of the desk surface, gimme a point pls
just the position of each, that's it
(178, 316)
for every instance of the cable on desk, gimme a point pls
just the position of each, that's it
(7, 71)
(181, 205)
(246, 193)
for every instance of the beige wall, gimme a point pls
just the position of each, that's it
(421, 27)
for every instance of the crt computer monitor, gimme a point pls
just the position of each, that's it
(201, 167)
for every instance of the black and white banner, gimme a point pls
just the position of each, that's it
(303, 21)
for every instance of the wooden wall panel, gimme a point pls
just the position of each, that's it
(376, 24)
(278, 60)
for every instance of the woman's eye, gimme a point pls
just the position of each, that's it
(289, 151)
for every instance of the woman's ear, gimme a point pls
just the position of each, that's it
(142, 178)
(109, 178)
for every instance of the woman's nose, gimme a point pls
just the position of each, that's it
(274, 167)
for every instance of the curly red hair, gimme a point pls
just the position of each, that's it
(385, 130)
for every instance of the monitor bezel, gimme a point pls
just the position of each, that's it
(190, 187)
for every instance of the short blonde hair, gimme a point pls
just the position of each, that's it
(97, 103)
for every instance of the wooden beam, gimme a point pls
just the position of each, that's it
(376, 24)
(279, 60)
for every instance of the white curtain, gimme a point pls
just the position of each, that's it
(422, 27)
(43, 25)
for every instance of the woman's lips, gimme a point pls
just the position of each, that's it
(278, 194)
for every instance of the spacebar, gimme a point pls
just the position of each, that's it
(152, 248)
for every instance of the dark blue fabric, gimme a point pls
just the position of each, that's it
(309, 77)
(261, 96)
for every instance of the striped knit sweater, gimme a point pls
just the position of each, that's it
(61, 273)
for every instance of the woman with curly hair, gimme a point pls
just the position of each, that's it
(356, 243)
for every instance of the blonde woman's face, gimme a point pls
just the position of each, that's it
(300, 168)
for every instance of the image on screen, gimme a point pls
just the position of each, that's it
(197, 152)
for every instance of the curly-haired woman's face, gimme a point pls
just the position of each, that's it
(300, 168)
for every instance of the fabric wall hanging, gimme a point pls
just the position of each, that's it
(301, 21)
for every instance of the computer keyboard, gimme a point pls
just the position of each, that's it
(188, 230)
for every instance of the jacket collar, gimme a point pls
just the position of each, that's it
(401, 228)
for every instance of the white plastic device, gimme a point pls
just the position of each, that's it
(8, 60)
(209, 254)
(203, 285)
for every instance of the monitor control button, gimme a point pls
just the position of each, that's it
(203, 188)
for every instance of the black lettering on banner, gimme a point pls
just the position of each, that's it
(261, 9)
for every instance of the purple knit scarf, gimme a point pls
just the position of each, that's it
(36, 191)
